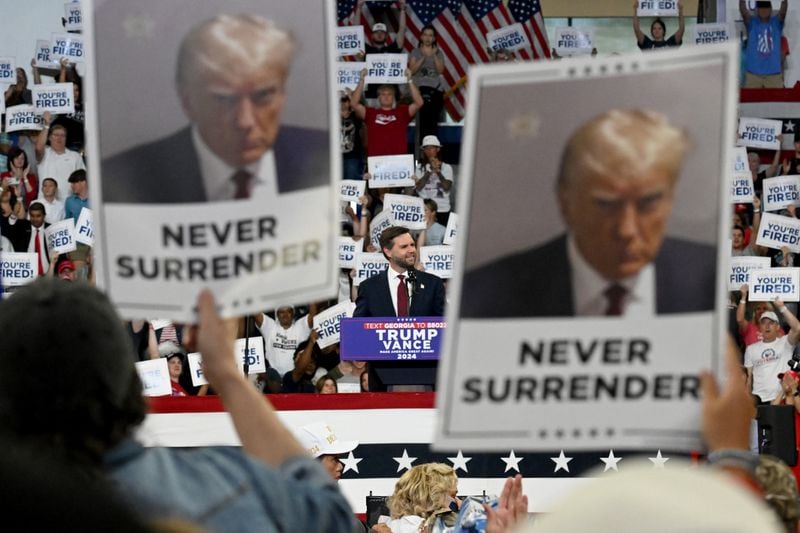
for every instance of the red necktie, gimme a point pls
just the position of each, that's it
(243, 181)
(402, 297)
(615, 294)
(38, 249)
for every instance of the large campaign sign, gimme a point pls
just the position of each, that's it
(327, 323)
(368, 265)
(768, 284)
(780, 192)
(571, 40)
(58, 98)
(657, 8)
(8, 71)
(438, 260)
(67, 45)
(740, 268)
(391, 338)
(711, 33)
(777, 231)
(349, 40)
(154, 374)
(407, 211)
(348, 74)
(391, 171)
(23, 117)
(387, 68)
(348, 248)
(17, 268)
(60, 237)
(511, 37)
(760, 133)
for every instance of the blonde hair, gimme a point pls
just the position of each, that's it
(779, 486)
(230, 46)
(625, 142)
(422, 490)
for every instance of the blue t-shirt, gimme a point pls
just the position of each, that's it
(763, 53)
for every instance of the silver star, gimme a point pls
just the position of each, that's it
(351, 463)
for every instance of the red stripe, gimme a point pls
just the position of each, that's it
(301, 402)
(541, 37)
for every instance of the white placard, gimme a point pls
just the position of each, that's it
(23, 117)
(154, 374)
(511, 37)
(760, 133)
(740, 267)
(572, 40)
(68, 45)
(42, 55)
(777, 231)
(711, 33)
(657, 8)
(451, 230)
(348, 248)
(60, 237)
(407, 211)
(349, 40)
(387, 68)
(166, 233)
(17, 268)
(768, 284)
(780, 192)
(73, 17)
(327, 322)
(3, 110)
(84, 228)
(348, 74)
(741, 188)
(438, 260)
(381, 221)
(196, 369)
(368, 265)
(57, 98)
(391, 171)
(252, 353)
(739, 161)
(8, 71)
(352, 190)
(567, 372)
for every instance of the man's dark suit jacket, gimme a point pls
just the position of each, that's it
(374, 298)
(19, 233)
(537, 282)
(168, 171)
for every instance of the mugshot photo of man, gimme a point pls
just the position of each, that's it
(230, 76)
(615, 190)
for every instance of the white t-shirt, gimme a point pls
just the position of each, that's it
(281, 343)
(768, 359)
(433, 189)
(59, 167)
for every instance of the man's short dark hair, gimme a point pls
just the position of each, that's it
(389, 234)
(739, 228)
(37, 206)
(77, 175)
(51, 179)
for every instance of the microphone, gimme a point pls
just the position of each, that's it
(412, 278)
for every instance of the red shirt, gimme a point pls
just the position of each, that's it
(387, 130)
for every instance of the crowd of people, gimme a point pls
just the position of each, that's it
(46, 181)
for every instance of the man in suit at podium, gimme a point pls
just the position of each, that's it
(400, 290)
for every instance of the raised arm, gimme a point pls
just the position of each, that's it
(415, 94)
(355, 96)
(783, 9)
(304, 357)
(260, 431)
(637, 30)
(772, 169)
(681, 24)
(401, 25)
(791, 320)
(41, 139)
(37, 77)
(741, 307)
(744, 12)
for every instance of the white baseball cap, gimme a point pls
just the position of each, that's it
(320, 439)
(430, 140)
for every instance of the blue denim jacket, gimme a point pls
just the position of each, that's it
(223, 489)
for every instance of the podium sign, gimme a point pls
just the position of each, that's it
(391, 338)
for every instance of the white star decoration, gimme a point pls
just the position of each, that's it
(512, 461)
(404, 462)
(562, 462)
(610, 462)
(459, 461)
(789, 127)
(658, 461)
(351, 463)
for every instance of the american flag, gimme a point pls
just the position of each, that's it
(461, 27)
(529, 13)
